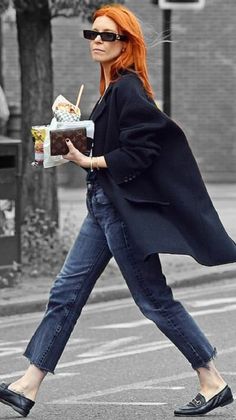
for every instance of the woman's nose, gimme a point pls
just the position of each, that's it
(98, 38)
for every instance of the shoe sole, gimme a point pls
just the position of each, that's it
(17, 409)
(227, 402)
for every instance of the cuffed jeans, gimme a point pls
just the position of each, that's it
(103, 235)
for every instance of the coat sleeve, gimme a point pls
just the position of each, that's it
(140, 124)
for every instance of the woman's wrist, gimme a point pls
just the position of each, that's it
(85, 162)
(101, 162)
(93, 162)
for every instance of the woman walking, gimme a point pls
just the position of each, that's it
(145, 196)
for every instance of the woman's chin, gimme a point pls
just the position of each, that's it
(97, 59)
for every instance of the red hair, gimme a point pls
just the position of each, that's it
(134, 56)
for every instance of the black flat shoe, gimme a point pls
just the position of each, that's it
(18, 402)
(199, 405)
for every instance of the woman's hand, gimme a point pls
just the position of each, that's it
(84, 161)
(76, 156)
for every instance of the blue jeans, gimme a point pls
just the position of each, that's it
(103, 235)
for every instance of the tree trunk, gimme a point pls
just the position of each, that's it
(39, 189)
(1, 77)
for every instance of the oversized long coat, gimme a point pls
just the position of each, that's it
(153, 179)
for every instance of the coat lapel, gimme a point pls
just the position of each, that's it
(99, 107)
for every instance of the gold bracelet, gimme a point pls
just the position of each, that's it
(91, 163)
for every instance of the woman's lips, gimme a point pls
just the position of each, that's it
(97, 50)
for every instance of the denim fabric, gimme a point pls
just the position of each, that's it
(102, 235)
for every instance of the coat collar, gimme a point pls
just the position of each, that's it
(99, 107)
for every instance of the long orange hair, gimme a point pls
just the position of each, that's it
(134, 56)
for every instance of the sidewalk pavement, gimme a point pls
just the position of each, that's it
(31, 294)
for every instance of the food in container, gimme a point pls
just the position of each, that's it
(39, 134)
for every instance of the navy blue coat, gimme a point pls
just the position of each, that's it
(153, 179)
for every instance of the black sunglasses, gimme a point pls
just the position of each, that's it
(105, 36)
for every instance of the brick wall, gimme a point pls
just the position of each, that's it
(204, 83)
(203, 78)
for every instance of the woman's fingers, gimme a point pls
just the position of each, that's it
(74, 154)
(71, 148)
(70, 145)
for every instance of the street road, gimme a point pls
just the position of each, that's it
(118, 366)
